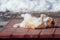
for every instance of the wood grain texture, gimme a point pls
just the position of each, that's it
(10, 32)
(47, 33)
(6, 33)
(57, 33)
(33, 33)
(19, 33)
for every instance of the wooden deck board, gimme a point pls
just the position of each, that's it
(19, 33)
(47, 33)
(12, 22)
(9, 25)
(1, 29)
(57, 33)
(8, 29)
(57, 22)
(33, 33)
(10, 32)
(7, 32)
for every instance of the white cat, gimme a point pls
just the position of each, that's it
(27, 17)
(33, 22)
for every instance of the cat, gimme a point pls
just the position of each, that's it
(33, 22)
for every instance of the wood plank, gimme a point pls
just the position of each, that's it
(57, 22)
(1, 29)
(33, 33)
(8, 29)
(47, 33)
(9, 25)
(7, 33)
(12, 22)
(57, 33)
(19, 33)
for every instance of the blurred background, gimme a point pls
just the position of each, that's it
(10, 9)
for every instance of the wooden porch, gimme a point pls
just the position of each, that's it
(10, 32)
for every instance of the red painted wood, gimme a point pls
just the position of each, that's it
(57, 33)
(12, 22)
(1, 29)
(9, 25)
(9, 30)
(6, 33)
(19, 33)
(33, 33)
(47, 33)
(57, 22)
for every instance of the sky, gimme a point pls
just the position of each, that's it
(29, 5)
